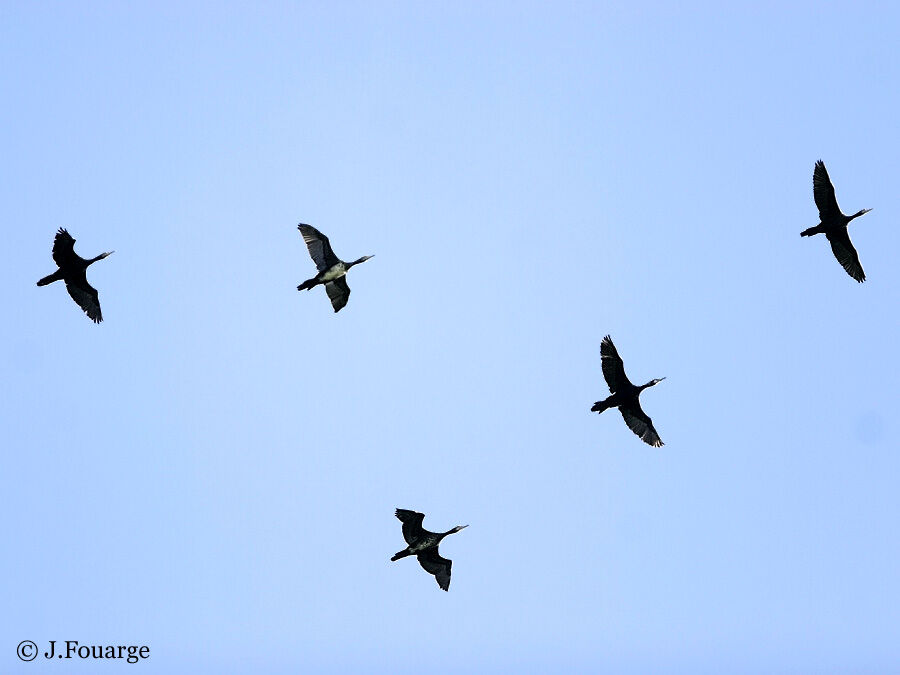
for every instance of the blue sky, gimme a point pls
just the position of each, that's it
(213, 470)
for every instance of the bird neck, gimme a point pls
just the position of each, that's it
(99, 257)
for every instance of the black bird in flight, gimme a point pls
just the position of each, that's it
(72, 270)
(834, 223)
(424, 545)
(625, 395)
(332, 270)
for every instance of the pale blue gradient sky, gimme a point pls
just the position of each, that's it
(213, 470)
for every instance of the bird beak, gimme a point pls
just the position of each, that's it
(109, 253)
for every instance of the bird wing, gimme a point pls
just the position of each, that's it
(613, 368)
(339, 292)
(63, 248)
(823, 193)
(642, 425)
(412, 524)
(319, 247)
(846, 254)
(433, 563)
(87, 298)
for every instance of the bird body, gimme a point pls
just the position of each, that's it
(72, 270)
(424, 545)
(833, 223)
(625, 395)
(430, 540)
(332, 270)
(335, 272)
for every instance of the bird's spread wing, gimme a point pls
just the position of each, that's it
(846, 254)
(338, 292)
(823, 193)
(642, 425)
(86, 297)
(319, 247)
(63, 248)
(434, 564)
(613, 368)
(412, 524)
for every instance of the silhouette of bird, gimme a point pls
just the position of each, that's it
(332, 270)
(833, 223)
(625, 395)
(72, 270)
(424, 545)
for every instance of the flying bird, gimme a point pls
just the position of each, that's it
(834, 223)
(332, 270)
(625, 395)
(72, 270)
(424, 545)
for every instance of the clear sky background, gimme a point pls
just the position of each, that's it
(213, 470)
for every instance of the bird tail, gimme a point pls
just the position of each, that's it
(306, 285)
(400, 554)
(50, 278)
(810, 231)
(600, 406)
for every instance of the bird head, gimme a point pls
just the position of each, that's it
(107, 254)
(656, 381)
(458, 528)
